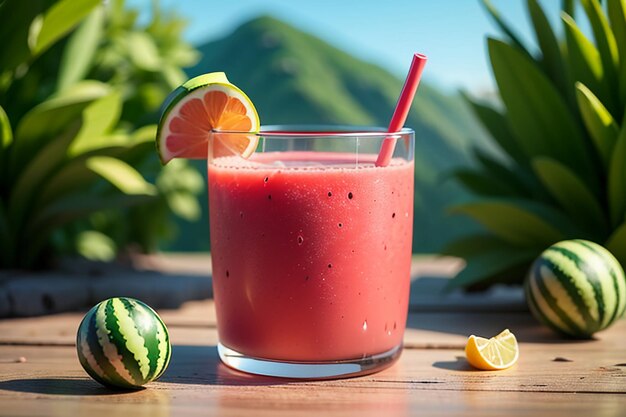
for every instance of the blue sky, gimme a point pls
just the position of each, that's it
(450, 32)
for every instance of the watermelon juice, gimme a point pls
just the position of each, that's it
(311, 254)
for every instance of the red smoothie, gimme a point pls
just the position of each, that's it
(311, 255)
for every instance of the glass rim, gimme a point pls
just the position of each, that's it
(283, 131)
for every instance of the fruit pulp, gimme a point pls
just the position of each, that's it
(311, 254)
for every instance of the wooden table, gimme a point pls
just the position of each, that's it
(40, 373)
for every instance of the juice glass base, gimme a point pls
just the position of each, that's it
(309, 370)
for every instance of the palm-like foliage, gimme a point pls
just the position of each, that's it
(562, 132)
(78, 170)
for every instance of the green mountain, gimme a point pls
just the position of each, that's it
(296, 78)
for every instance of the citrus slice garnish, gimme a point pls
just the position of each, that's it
(498, 352)
(199, 107)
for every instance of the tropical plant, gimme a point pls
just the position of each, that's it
(562, 131)
(144, 62)
(73, 135)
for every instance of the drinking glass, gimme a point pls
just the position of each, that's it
(311, 250)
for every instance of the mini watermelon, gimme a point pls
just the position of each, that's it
(577, 288)
(123, 343)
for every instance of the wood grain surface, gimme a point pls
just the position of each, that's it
(40, 373)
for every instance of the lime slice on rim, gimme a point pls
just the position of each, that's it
(199, 106)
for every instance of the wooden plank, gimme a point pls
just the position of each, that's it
(51, 382)
(433, 358)
(553, 376)
(331, 402)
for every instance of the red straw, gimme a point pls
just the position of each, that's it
(402, 109)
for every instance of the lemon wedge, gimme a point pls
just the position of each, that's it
(498, 352)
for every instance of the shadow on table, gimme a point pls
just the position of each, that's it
(59, 386)
(189, 365)
(459, 364)
(202, 365)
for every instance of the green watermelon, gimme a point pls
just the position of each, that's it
(123, 343)
(576, 287)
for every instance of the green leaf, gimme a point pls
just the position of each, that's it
(617, 179)
(536, 111)
(552, 56)
(106, 144)
(42, 165)
(486, 256)
(571, 193)
(143, 134)
(183, 55)
(51, 218)
(143, 51)
(584, 56)
(6, 137)
(6, 133)
(57, 21)
(152, 95)
(599, 122)
(72, 177)
(16, 17)
(569, 7)
(96, 246)
(481, 184)
(616, 244)
(81, 47)
(99, 117)
(75, 174)
(474, 244)
(78, 206)
(607, 47)
(622, 83)
(179, 175)
(56, 112)
(504, 27)
(121, 175)
(481, 269)
(499, 129)
(516, 222)
(184, 205)
(48, 119)
(137, 155)
(617, 17)
(585, 63)
(82, 90)
(515, 181)
(174, 76)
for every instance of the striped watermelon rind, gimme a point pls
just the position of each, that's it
(577, 288)
(123, 343)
